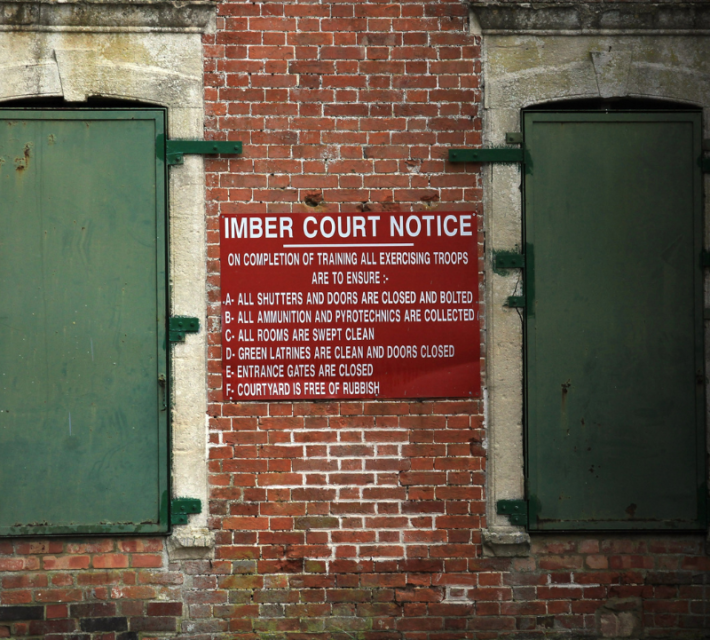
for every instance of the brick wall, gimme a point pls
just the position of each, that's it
(338, 519)
(288, 582)
(345, 105)
(346, 513)
(363, 519)
(101, 589)
(347, 520)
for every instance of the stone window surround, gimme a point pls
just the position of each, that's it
(542, 52)
(150, 52)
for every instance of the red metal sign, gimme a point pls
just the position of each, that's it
(378, 305)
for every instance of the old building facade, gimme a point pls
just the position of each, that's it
(350, 517)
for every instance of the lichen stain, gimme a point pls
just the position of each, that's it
(122, 48)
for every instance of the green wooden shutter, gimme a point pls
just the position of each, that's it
(614, 334)
(83, 418)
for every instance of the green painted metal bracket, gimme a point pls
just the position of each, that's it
(175, 150)
(180, 508)
(508, 260)
(516, 510)
(178, 326)
(704, 164)
(486, 155)
(514, 137)
(515, 302)
(705, 259)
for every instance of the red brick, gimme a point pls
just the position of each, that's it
(246, 523)
(138, 545)
(146, 560)
(133, 593)
(53, 563)
(18, 564)
(56, 611)
(98, 578)
(58, 595)
(110, 561)
(164, 608)
(21, 596)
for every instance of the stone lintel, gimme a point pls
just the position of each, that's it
(113, 15)
(612, 18)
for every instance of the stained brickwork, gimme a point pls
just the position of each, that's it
(88, 589)
(365, 518)
(289, 582)
(344, 520)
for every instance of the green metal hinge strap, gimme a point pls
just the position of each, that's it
(178, 326)
(508, 260)
(175, 150)
(705, 165)
(180, 508)
(486, 155)
(516, 510)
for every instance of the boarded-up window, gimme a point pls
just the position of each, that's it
(615, 382)
(83, 417)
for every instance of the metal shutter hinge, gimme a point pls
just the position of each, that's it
(503, 260)
(180, 508)
(178, 326)
(175, 150)
(486, 155)
(508, 260)
(491, 155)
(516, 510)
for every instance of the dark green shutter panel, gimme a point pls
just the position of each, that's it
(83, 428)
(614, 337)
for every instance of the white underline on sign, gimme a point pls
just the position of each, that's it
(318, 246)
